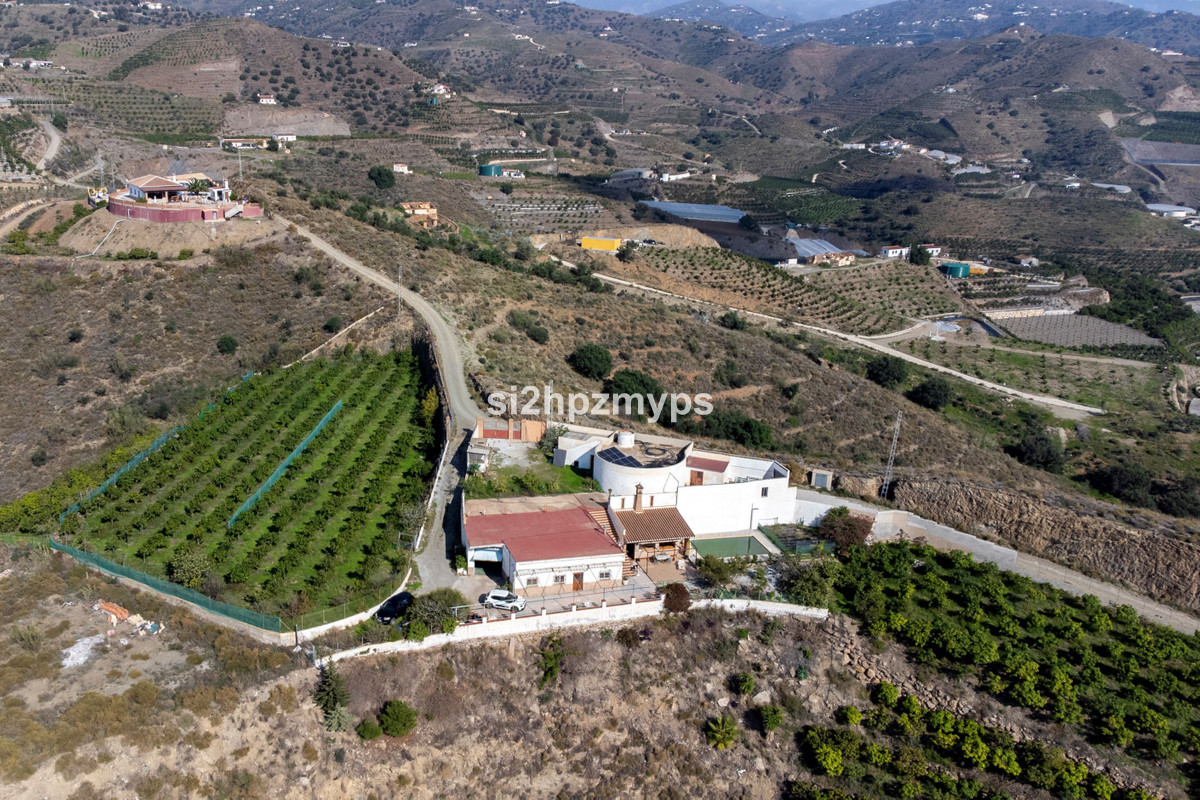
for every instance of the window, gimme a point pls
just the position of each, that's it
(560, 579)
(531, 581)
(764, 491)
(604, 575)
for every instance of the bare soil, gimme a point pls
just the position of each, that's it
(149, 330)
(617, 722)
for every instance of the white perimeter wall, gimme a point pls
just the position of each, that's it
(515, 625)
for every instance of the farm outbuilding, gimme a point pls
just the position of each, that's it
(595, 243)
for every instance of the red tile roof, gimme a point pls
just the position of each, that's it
(654, 525)
(707, 464)
(542, 535)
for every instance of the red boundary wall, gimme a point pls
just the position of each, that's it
(166, 213)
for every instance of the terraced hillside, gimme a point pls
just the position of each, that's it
(758, 286)
(132, 109)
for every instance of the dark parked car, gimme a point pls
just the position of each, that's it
(394, 607)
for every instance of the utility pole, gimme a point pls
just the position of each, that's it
(399, 284)
(887, 476)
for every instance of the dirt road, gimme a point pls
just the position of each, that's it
(1060, 407)
(462, 403)
(433, 559)
(52, 148)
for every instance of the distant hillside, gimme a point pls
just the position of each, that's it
(924, 21)
(741, 18)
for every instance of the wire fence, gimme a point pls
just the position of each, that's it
(264, 621)
(282, 468)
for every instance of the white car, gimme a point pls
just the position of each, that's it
(504, 600)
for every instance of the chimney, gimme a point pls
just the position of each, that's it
(637, 499)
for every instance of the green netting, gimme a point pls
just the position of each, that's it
(130, 464)
(263, 621)
(278, 473)
(140, 457)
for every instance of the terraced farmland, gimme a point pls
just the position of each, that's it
(132, 108)
(1076, 330)
(325, 534)
(764, 287)
(908, 289)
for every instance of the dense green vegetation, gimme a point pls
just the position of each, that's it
(1114, 678)
(900, 748)
(325, 534)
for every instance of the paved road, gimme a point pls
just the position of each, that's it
(1059, 406)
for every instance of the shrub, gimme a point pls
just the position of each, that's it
(591, 361)
(743, 683)
(416, 632)
(732, 321)
(369, 729)
(934, 394)
(677, 599)
(538, 334)
(716, 571)
(397, 718)
(227, 345)
(887, 371)
(844, 529)
(382, 177)
(75, 334)
(550, 659)
(629, 638)
(186, 253)
(886, 694)
(39, 457)
(721, 732)
(849, 715)
(333, 324)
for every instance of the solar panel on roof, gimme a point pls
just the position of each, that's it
(697, 211)
(614, 456)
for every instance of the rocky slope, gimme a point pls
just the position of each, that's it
(1156, 555)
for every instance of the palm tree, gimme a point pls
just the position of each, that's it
(197, 186)
(721, 732)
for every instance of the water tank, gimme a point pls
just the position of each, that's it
(491, 170)
(624, 438)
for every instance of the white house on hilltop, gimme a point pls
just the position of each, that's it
(712, 492)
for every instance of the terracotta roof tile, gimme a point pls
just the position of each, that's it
(654, 525)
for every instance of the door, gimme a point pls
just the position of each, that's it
(577, 583)
(697, 478)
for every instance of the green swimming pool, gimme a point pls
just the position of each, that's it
(728, 548)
